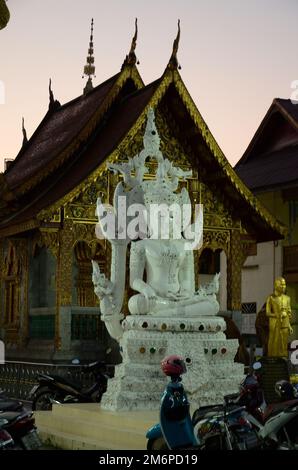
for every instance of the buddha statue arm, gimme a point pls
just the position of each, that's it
(137, 267)
(269, 309)
(289, 314)
(186, 274)
(289, 310)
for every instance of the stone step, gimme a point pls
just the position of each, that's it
(93, 413)
(82, 425)
(67, 441)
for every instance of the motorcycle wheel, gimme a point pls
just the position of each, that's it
(216, 442)
(42, 400)
(157, 444)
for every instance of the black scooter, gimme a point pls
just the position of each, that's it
(56, 389)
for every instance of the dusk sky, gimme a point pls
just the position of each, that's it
(236, 56)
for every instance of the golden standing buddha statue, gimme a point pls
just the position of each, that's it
(278, 309)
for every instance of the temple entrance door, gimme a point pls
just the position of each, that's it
(11, 295)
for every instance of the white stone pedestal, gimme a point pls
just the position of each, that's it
(211, 372)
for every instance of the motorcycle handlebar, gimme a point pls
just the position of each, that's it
(94, 366)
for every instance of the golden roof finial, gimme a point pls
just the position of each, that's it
(51, 94)
(25, 138)
(131, 58)
(173, 62)
(89, 68)
(53, 104)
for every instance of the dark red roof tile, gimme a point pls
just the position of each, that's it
(82, 164)
(55, 133)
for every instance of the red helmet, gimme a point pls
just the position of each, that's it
(173, 365)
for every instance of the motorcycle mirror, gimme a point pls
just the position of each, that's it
(75, 361)
(257, 366)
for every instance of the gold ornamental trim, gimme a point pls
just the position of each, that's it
(18, 228)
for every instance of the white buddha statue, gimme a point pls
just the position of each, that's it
(161, 260)
(167, 263)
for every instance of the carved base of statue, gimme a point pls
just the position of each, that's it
(211, 372)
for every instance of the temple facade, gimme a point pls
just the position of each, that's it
(48, 199)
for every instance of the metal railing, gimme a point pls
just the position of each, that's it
(17, 378)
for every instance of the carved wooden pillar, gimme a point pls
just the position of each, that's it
(64, 285)
(237, 255)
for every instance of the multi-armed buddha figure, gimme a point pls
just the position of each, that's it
(162, 241)
(167, 313)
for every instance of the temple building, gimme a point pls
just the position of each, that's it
(48, 198)
(269, 168)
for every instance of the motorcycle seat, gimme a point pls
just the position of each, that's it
(231, 398)
(10, 405)
(68, 381)
(204, 410)
(275, 408)
(12, 416)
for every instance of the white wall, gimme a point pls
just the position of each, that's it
(259, 273)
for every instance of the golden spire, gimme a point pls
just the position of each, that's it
(131, 58)
(25, 138)
(173, 62)
(89, 68)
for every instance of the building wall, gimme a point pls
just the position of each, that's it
(259, 272)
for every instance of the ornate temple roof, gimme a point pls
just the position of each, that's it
(72, 141)
(61, 131)
(270, 159)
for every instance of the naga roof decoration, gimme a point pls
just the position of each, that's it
(131, 58)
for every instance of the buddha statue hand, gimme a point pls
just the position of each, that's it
(144, 302)
(182, 294)
(148, 292)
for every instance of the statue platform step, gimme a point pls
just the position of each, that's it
(87, 426)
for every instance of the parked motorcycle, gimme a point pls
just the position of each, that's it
(242, 422)
(6, 441)
(21, 427)
(175, 430)
(274, 426)
(56, 389)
